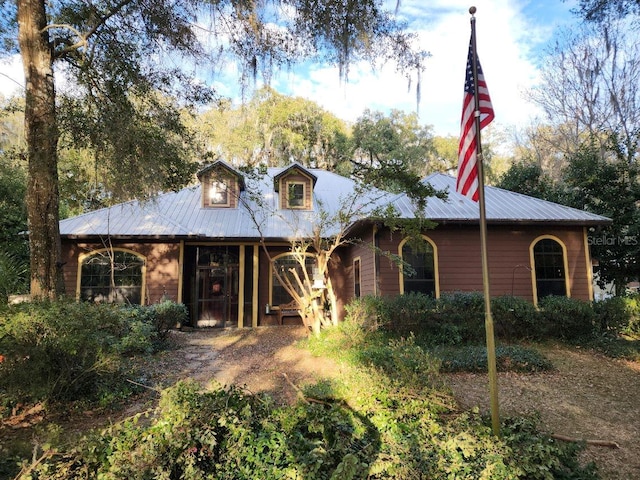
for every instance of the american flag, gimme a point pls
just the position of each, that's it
(467, 183)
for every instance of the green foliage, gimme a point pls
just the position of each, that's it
(515, 318)
(14, 275)
(609, 187)
(612, 315)
(403, 362)
(13, 213)
(567, 319)
(375, 431)
(61, 351)
(509, 358)
(529, 179)
(167, 315)
(542, 457)
(632, 306)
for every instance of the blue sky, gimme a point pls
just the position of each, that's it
(511, 35)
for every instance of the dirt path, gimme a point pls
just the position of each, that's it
(255, 359)
(587, 397)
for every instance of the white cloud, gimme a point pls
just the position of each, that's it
(506, 40)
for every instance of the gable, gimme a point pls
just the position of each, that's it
(221, 186)
(294, 186)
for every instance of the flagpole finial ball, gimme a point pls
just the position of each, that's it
(472, 10)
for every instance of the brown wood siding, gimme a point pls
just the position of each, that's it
(363, 249)
(459, 261)
(338, 272)
(162, 264)
(297, 178)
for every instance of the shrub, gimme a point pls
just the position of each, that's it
(515, 318)
(409, 312)
(64, 350)
(168, 315)
(403, 362)
(567, 319)
(465, 312)
(612, 315)
(509, 358)
(632, 305)
(14, 275)
(57, 350)
(364, 312)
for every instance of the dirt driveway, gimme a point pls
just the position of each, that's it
(588, 396)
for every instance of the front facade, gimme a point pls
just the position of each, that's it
(214, 246)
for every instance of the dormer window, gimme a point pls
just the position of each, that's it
(295, 195)
(218, 194)
(295, 185)
(221, 184)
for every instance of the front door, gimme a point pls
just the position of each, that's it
(216, 289)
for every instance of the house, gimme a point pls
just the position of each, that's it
(205, 245)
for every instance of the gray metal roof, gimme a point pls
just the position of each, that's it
(502, 206)
(180, 214)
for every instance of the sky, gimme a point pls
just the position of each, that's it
(511, 35)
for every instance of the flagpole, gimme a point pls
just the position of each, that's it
(488, 318)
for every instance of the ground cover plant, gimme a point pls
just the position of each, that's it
(65, 355)
(390, 416)
(362, 425)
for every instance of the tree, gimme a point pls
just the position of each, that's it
(121, 89)
(390, 153)
(603, 10)
(274, 129)
(529, 179)
(590, 88)
(320, 233)
(609, 187)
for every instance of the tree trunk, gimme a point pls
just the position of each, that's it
(41, 133)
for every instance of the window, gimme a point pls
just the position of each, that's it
(420, 274)
(356, 277)
(112, 276)
(218, 193)
(549, 268)
(283, 264)
(295, 195)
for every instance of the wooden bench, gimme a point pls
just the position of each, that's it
(288, 310)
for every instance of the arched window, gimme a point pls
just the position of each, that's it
(549, 268)
(114, 276)
(422, 274)
(284, 263)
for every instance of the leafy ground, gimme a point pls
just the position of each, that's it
(587, 396)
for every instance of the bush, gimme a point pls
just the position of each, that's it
(167, 315)
(612, 315)
(509, 358)
(378, 432)
(632, 306)
(567, 319)
(64, 350)
(465, 312)
(515, 318)
(403, 362)
(404, 313)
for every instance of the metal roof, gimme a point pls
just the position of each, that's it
(502, 206)
(181, 214)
